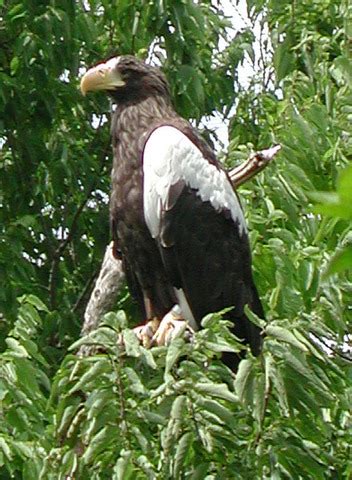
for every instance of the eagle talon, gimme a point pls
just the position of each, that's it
(145, 333)
(159, 333)
(172, 325)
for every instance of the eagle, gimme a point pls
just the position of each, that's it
(176, 221)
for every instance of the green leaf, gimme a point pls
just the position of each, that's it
(279, 385)
(259, 322)
(5, 448)
(16, 12)
(285, 335)
(99, 367)
(104, 337)
(154, 417)
(343, 64)
(341, 261)
(344, 185)
(216, 390)
(123, 467)
(170, 435)
(134, 381)
(224, 415)
(99, 443)
(147, 356)
(174, 351)
(16, 348)
(183, 447)
(337, 204)
(179, 407)
(283, 59)
(69, 461)
(116, 320)
(259, 399)
(35, 301)
(131, 343)
(66, 417)
(244, 380)
(200, 472)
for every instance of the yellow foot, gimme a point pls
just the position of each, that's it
(156, 332)
(145, 333)
(172, 326)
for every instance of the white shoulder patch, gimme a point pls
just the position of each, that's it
(170, 156)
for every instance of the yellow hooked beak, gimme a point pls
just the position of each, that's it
(102, 77)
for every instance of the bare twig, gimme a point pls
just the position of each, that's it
(111, 274)
(251, 167)
(329, 345)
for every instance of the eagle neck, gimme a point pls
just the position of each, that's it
(139, 115)
(131, 123)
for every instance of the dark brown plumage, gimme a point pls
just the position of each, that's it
(192, 238)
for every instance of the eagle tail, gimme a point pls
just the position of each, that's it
(246, 330)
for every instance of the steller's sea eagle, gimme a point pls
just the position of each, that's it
(176, 222)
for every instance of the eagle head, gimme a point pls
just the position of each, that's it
(125, 78)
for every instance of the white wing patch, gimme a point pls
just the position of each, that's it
(170, 156)
(185, 308)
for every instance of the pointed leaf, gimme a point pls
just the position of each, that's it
(99, 368)
(285, 335)
(182, 449)
(173, 353)
(216, 390)
(224, 415)
(244, 379)
(178, 407)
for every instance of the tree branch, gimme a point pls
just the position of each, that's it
(111, 274)
(251, 167)
(105, 291)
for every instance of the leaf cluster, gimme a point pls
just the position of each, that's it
(172, 412)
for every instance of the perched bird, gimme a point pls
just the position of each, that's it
(176, 221)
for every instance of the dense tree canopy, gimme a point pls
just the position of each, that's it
(176, 412)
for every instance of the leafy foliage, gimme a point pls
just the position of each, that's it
(176, 412)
